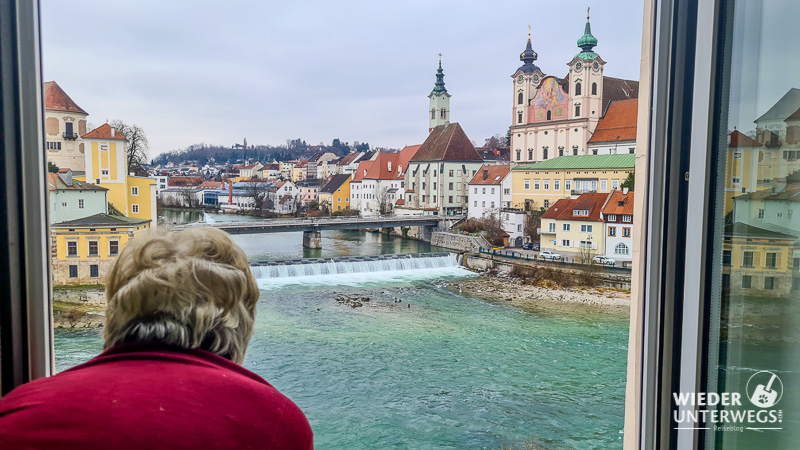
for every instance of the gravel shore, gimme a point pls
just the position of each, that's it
(502, 287)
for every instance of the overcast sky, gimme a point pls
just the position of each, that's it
(219, 71)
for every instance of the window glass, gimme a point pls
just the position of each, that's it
(754, 338)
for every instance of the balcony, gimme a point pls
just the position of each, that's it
(583, 191)
(70, 136)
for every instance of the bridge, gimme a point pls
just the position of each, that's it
(313, 226)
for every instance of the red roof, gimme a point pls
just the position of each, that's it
(795, 116)
(285, 199)
(186, 181)
(384, 167)
(103, 132)
(363, 167)
(447, 143)
(618, 123)
(400, 202)
(613, 204)
(565, 208)
(406, 154)
(738, 139)
(210, 184)
(491, 174)
(55, 99)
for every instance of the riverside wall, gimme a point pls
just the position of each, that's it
(459, 242)
(88, 296)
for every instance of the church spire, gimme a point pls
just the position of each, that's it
(587, 42)
(528, 56)
(439, 88)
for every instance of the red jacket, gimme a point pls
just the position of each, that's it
(152, 396)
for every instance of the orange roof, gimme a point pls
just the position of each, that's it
(400, 202)
(103, 132)
(619, 203)
(618, 123)
(55, 99)
(406, 154)
(565, 208)
(739, 139)
(491, 174)
(384, 167)
(210, 184)
(363, 168)
(447, 143)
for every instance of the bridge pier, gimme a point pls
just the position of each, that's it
(312, 239)
(425, 233)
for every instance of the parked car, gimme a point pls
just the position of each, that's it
(531, 246)
(535, 247)
(603, 260)
(548, 255)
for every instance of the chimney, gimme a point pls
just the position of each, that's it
(624, 191)
(485, 173)
(230, 192)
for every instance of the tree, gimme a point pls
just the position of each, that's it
(493, 224)
(383, 200)
(629, 182)
(259, 193)
(188, 198)
(533, 222)
(138, 145)
(52, 168)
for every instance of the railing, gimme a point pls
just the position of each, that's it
(305, 221)
(624, 265)
(583, 191)
(71, 136)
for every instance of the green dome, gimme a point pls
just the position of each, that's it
(587, 43)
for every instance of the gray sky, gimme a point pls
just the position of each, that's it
(219, 71)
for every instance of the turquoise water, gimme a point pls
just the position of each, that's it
(451, 371)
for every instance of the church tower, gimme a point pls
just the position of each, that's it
(586, 80)
(439, 101)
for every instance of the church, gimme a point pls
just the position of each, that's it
(554, 116)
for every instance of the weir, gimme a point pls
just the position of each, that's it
(356, 264)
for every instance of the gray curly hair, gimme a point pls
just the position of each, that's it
(191, 288)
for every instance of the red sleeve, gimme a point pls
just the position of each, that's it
(294, 431)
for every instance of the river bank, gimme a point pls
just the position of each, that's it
(506, 288)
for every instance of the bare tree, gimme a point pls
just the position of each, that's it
(383, 200)
(533, 221)
(493, 224)
(259, 193)
(138, 145)
(189, 199)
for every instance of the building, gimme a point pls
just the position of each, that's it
(616, 131)
(162, 182)
(774, 120)
(574, 228)
(439, 172)
(760, 262)
(489, 191)
(541, 184)
(554, 116)
(106, 165)
(64, 124)
(72, 199)
(617, 214)
(359, 197)
(513, 222)
(309, 191)
(335, 194)
(84, 249)
(439, 101)
(270, 171)
(251, 171)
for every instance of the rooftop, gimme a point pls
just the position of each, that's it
(104, 131)
(447, 143)
(623, 161)
(618, 122)
(101, 220)
(490, 174)
(55, 99)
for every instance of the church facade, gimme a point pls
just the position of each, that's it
(554, 116)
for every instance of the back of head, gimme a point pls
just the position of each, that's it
(191, 288)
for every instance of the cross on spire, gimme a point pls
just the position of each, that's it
(587, 13)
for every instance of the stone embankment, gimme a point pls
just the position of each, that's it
(459, 242)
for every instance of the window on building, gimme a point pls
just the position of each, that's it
(94, 248)
(94, 271)
(612, 231)
(771, 260)
(549, 115)
(594, 185)
(565, 243)
(760, 213)
(113, 248)
(746, 281)
(594, 90)
(622, 249)
(568, 185)
(476, 203)
(72, 249)
(134, 190)
(546, 185)
(433, 114)
(577, 91)
(627, 218)
(536, 185)
(483, 204)
(492, 205)
(552, 227)
(726, 258)
(577, 111)
(450, 186)
(769, 283)
(443, 113)
(560, 151)
(544, 152)
(450, 199)
(546, 203)
(519, 154)
(519, 116)
(519, 99)
(614, 184)
(586, 228)
(73, 271)
(450, 173)
(612, 217)
(747, 259)
(135, 208)
(603, 185)
(565, 227)
(527, 185)
(81, 203)
(626, 232)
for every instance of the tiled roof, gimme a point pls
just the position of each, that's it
(55, 99)
(285, 199)
(103, 132)
(211, 184)
(406, 154)
(400, 202)
(614, 89)
(363, 167)
(565, 208)
(613, 204)
(54, 181)
(447, 143)
(101, 219)
(490, 174)
(335, 183)
(784, 107)
(739, 139)
(739, 229)
(790, 194)
(619, 161)
(349, 158)
(185, 181)
(384, 167)
(794, 116)
(618, 123)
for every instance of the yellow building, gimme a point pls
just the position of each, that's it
(84, 249)
(541, 184)
(107, 166)
(574, 228)
(336, 193)
(297, 173)
(760, 262)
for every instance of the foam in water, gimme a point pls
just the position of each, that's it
(357, 270)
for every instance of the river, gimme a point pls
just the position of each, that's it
(450, 371)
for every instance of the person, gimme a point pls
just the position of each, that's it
(181, 307)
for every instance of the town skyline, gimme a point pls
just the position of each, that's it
(367, 81)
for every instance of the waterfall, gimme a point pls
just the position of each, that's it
(352, 265)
